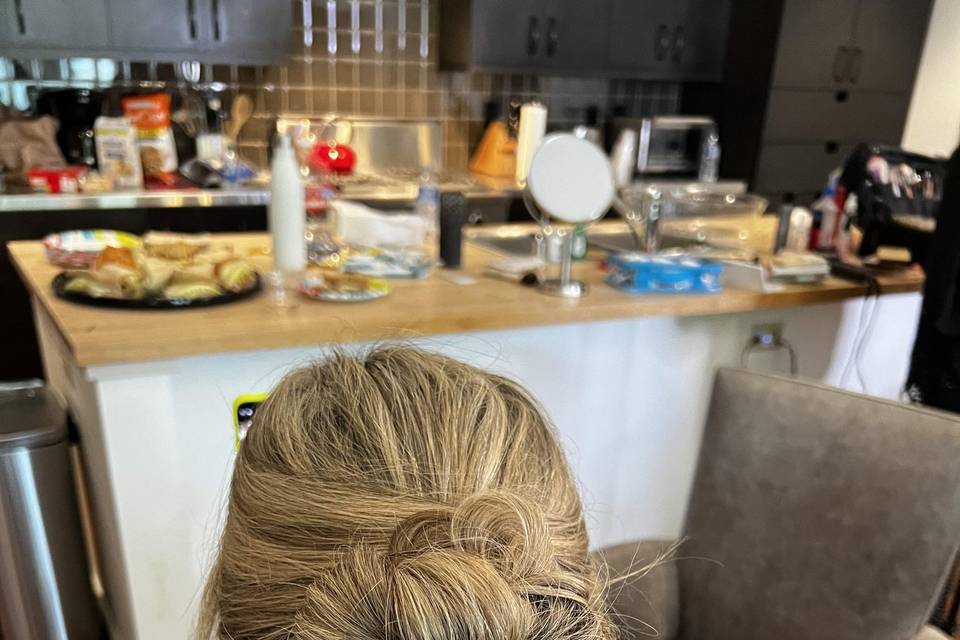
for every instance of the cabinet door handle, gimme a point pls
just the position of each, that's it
(533, 36)
(661, 42)
(831, 147)
(840, 63)
(679, 43)
(856, 62)
(215, 16)
(192, 18)
(21, 19)
(552, 36)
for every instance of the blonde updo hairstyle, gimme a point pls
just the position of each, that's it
(402, 496)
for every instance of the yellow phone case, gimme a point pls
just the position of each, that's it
(246, 398)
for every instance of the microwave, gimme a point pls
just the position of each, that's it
(673, 146)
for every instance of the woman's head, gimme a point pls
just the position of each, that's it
(402, 496)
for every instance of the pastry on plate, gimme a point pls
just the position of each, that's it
(192, 291)
(173, 246)
(199, 272)
(117, 268)
(157, 274)
(84, 283)
(215, 253)
(236, 275)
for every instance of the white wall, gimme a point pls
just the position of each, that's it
(933, 123)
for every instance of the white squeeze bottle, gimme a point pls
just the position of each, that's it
(287, 212)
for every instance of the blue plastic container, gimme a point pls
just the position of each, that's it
(641, 273)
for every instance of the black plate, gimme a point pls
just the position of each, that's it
(60, 283)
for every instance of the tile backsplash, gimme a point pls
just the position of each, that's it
(394, 74)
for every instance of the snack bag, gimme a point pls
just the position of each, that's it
(117, 152)
(150, 114)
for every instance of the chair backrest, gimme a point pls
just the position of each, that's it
(817, 513)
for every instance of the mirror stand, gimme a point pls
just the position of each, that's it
(565, 286)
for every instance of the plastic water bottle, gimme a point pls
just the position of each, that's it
(710, 159)
(428, 209)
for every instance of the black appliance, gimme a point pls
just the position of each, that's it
(76, 110)
(898, 197)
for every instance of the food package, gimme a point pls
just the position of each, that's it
(117, 151)
(55, 180)
(150, 115)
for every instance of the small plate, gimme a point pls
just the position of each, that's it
(315, 289)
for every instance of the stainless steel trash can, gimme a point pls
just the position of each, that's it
(45, 589)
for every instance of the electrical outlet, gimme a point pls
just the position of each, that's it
(767, 334)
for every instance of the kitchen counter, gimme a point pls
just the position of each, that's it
(626, 380)
(159, 199)
(474, 186)
(435, 305)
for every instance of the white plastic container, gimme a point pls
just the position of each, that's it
(287, 213)
(533, 128)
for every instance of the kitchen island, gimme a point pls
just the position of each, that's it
(626, 379)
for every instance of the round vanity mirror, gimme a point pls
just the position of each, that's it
(570, 183)
(571, 180)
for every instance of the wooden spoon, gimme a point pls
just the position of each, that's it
(240, 112)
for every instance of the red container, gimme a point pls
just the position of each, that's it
(332, 157)
(57, 180)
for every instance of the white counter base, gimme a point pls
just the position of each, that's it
(628, 398)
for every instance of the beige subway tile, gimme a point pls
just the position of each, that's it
(297, 72)
(365, 102)
(345, 100)
(391, 104)
(297, 101)
(415, 104)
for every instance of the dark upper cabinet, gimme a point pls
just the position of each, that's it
(887, 41)
(218, 31)
(57, 27)
(642, 36)
(523, 35)
(815, 43)
(139, 24)
(704, 29)
(682, 39)
(225, 31)
(502, 35)
(576, 35)
(249, 30)
(6, 23)
(866, 44)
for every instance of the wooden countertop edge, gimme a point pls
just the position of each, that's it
(486, 308)
(452, 324)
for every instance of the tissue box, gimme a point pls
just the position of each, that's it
(642, 273)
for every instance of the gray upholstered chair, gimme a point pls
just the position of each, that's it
(816, 514)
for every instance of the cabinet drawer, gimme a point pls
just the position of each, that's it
(842, 116)
(798, 167)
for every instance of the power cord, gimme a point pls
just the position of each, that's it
(868, 314)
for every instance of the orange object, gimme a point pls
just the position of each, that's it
(496, 155)
(120, 256)
(150, 115)
(148, 112)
